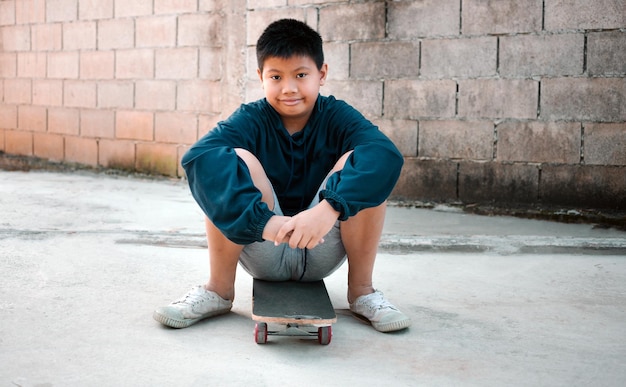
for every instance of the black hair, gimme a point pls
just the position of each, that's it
(288, 37)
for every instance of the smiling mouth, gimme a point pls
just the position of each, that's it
(291, 102)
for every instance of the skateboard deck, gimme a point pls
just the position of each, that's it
(303, 307)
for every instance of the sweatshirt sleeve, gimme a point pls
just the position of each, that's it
(220, 183)
(371, 171)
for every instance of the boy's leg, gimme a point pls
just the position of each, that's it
(216, 296)
(360, 235)
(224, 254)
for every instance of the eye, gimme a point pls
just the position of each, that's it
(301, 75)
(275, 77)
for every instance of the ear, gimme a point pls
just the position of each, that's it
(260, 74)
(323, 74)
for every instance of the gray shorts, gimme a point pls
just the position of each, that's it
(265, 261)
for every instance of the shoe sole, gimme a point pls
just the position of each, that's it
(175, 323)
(386, 327)
(392, 326)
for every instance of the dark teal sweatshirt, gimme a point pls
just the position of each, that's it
(296, 165)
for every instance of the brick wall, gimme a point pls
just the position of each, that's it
(506, 101)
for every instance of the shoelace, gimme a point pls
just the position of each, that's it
(378, 302)
(191, 298)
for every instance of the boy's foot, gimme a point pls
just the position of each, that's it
(383, 316)
(194, 306)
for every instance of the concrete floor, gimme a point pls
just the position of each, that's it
(495, 301)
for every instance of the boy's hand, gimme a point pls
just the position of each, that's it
(308, 228)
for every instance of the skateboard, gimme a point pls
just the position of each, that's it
(303, 309)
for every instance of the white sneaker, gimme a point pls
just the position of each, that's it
(383, 316)
(194, 306)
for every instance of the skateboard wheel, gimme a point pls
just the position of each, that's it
(260, 333)
(324, 335)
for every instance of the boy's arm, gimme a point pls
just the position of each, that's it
(221, 185)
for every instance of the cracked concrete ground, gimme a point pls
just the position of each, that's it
(494, 301)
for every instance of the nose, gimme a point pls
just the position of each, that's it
(290, 86)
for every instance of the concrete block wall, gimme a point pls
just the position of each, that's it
(519, 102)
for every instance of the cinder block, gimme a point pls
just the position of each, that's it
(61, 10)
(48, 146)
(96, 123)
(416, 19)
(175, 6)
(118, 154)
(498, 98)
(18, 142)
(449, 139)
(116, 34)
(256, 4)
(134, 125)
(337, 56)
(422, 179)
(412, 99)
(160, 159)
(354, 21)
(376, 60)
(79, 35)
(114, 94)
(606, 53)
(8, 116)
(403, 133)
(530, 55)
(47, 37)
(199, 96)
(95, 9)
(79, 94)
(159, 31)
(15, 38)
(155, 95)
(81, 150)
(584, 14)
(465, 58)
(48, 92)
(177, 63)
(7, 13)
(134, 64)
(175, 128)
(498, 182)
(8, 64)
(585, 99)
(29, 12)
(364, 96)
(257, 20)
(125, 8)
(501, 17)
(206, 122)
(97, 64)
(211, 67)
(63, 65)
(64, 121)
(200, 30)
(32, 118)
(539, 142)
(181, 150)
(584, 185)
(605, 144)
(18, 91)
(31, 64)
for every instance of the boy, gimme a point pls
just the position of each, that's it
(291, 184)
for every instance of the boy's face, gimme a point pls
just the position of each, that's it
(291, 86)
